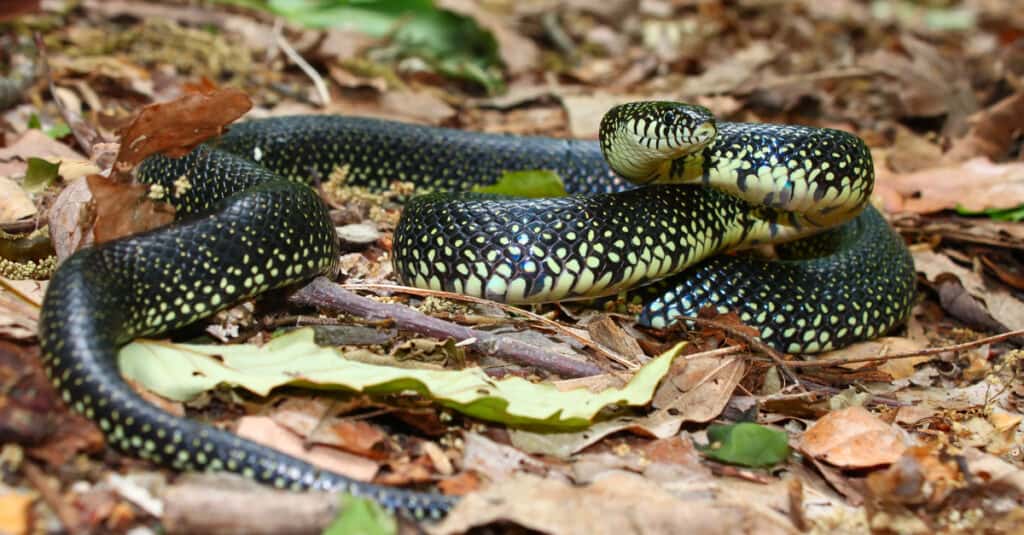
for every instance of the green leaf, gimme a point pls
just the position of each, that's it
(531, 184)
(40, 175)
(999, 214)
(181, 372)
(58, 130)
(33, 122)
(747, 444)
(451, 43)
(361, 516)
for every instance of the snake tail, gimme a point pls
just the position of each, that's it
(243, 231)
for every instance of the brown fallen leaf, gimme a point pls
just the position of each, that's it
(310, 418)
(699, 391)
(175, 127)
(976, 185)
(1000, 304)
(737, 71)
(992, 131)
(920, 475)
(460, 485)
(18, 317)
(852, 438)
(659, 425)
(925, 81)
(268, 432)
(497, 461)
(123, 209)
(897, 368)
(605, 331)
(615, 504)
(1004, 266)
(15, 202)
(33, 143)
(32, 414)
(909, 151)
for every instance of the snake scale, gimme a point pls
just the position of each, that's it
(247, 224)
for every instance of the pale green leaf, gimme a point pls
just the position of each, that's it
(530, 184)
(181, 371)
(361, 516)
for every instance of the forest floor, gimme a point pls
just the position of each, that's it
(917, 432)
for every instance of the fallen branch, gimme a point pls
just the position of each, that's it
(243, 508)
(511, 309)
(326, 294)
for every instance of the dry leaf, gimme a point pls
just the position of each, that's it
(699, 391)
(660, 425)
(918, 476)
(33, 143)
(975, 185)
(992, 131)
(124, 209)
(19, 308)
(616, 504)
(14, 201)
(496, 461)
(852, 438)
(175, 127)
(267, 432)
(909, 152)
(727, 75)
(310, 418)
(897, 369)
(1000, 304)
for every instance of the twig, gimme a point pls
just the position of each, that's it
(324, 293)
(51, 496)
(297, 59)
(909, 354)
(241, 508)
(610, 355)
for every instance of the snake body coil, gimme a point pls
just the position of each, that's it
(246, 225)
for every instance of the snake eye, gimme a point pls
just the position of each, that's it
(668, 117)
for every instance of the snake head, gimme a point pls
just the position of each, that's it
(639, 137)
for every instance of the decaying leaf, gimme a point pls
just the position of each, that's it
(175, 127)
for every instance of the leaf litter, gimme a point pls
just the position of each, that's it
(934, 88)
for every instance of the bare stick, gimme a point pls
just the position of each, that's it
(610, 355)
(52, 496)
(307, 69)
(324, 293)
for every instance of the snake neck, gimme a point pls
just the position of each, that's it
(821, 177)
